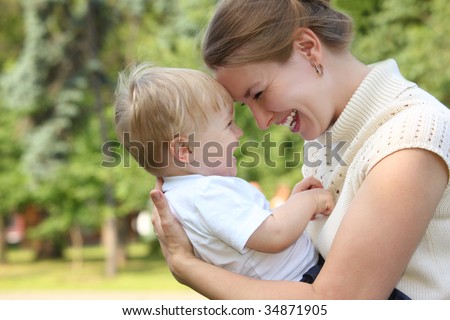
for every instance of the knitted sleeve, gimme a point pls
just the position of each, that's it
(421, 126)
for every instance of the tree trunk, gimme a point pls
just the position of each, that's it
(50, 249)
(121, 242)
(109, 235)
(2, 240)
(76, 238)
(110, 225)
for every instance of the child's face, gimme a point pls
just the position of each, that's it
(216, 143)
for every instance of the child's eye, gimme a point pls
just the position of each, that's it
(230, 123)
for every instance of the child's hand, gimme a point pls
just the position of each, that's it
(307, 183)
(324, 201)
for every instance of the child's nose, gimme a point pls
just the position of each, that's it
(238, 131)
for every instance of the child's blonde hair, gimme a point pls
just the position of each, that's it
(154, 105)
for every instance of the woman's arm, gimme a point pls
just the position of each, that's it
(371, 250)
(384, 225)
(207, 279)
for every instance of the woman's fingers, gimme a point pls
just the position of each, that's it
(156, 196)
(158, 202)
(169, 231)
(162, 207)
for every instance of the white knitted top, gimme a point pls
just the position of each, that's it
(387, 113)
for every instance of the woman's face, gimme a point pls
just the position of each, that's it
(290, 94)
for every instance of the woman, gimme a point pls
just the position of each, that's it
(288, 61)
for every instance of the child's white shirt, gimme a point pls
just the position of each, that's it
(219, 214)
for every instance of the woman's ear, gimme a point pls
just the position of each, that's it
(179, 149)
(308, 44)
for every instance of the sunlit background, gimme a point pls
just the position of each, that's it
(75, 220)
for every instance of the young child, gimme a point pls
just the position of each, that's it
(179, 125)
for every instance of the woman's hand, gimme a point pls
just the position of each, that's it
(172, 238)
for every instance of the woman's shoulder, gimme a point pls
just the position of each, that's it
(425, 124)
(424, 119)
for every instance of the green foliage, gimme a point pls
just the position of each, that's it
(52, 84)
(272, 157)
(10, 41)
(414, 32)
(361, 13)
(13, 192)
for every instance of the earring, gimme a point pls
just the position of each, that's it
(318, 68)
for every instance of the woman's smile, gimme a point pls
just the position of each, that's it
(292, 121)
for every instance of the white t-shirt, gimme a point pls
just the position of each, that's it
(219, 214)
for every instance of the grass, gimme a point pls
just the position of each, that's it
(140, 272)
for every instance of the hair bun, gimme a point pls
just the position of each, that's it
(326, 3)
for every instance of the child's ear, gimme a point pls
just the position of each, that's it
(179, 149)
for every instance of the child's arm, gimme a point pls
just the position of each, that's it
(289, 220)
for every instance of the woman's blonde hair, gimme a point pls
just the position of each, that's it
(247, 31)
(153, 105)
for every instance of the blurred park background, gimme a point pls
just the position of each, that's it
(74, 216)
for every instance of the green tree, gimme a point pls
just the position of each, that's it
(14, 191)
(54, 83)
(414, 32)
(63, 83)
(11, 34)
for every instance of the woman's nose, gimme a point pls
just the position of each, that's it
(263, 117)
